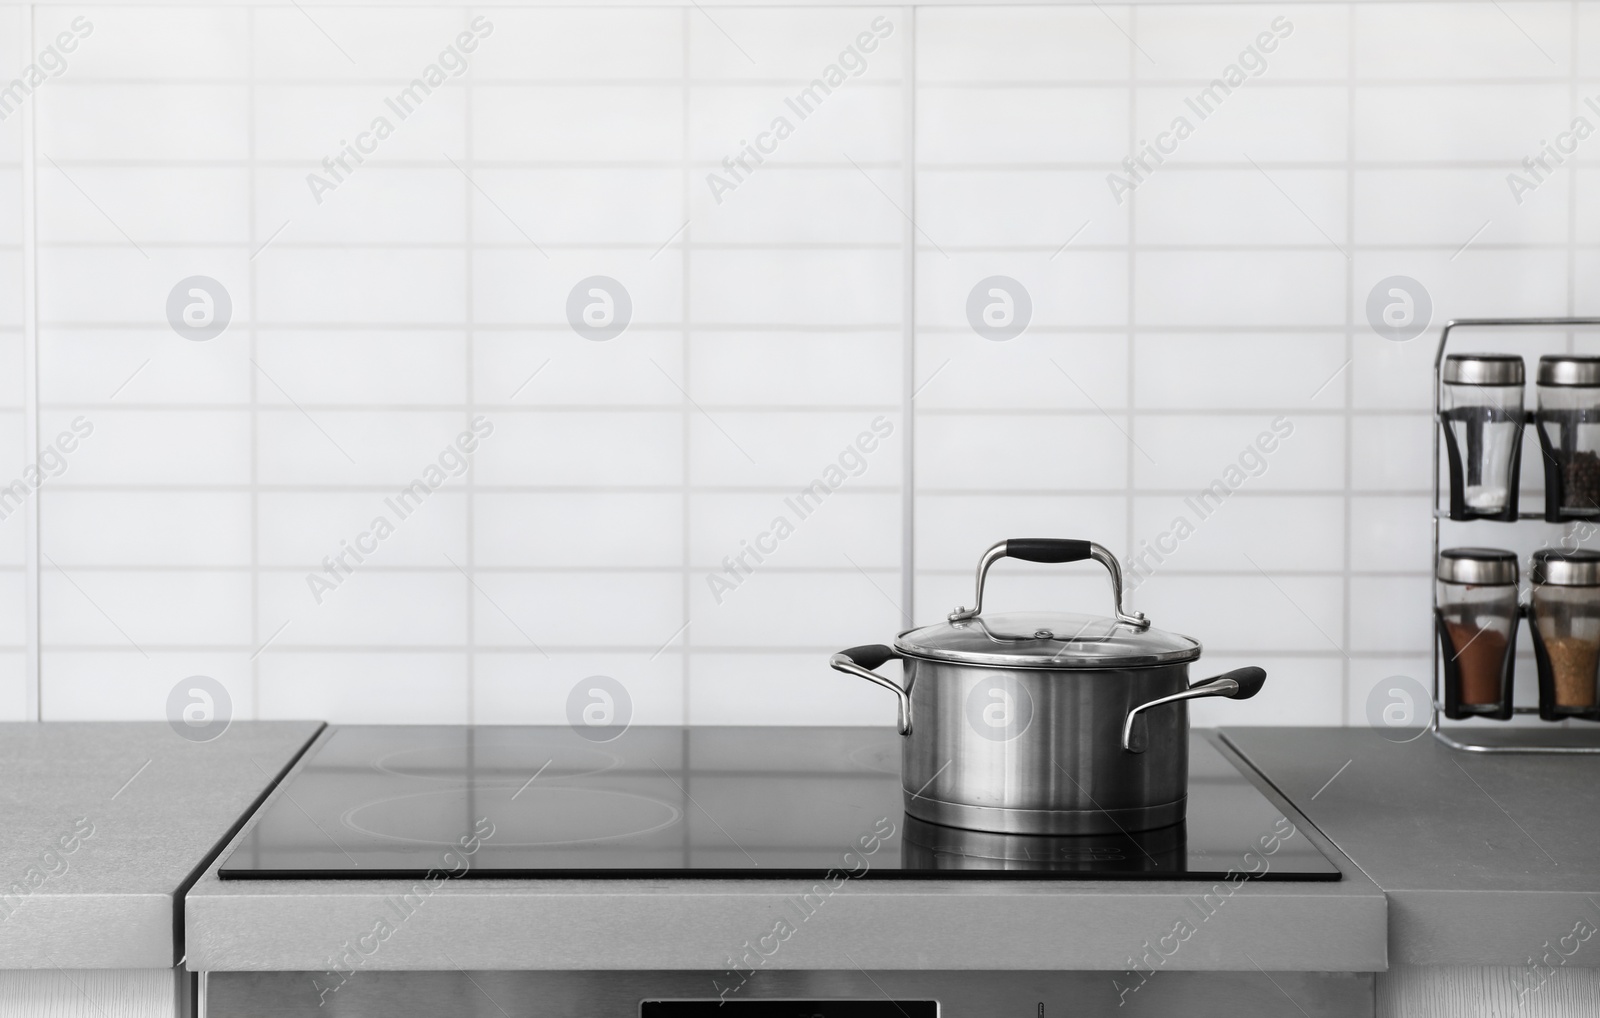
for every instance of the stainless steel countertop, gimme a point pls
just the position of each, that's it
(697, 924)
(158, 806)
(1485, 858)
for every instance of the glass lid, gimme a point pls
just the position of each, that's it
(1047, 640)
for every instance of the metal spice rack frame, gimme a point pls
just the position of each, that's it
(1516, 739)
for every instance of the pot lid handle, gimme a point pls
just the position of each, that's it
(1051, 549)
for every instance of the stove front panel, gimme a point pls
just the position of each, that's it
(839, 994)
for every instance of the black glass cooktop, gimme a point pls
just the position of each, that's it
(391, 801)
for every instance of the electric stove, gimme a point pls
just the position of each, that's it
(450, 801)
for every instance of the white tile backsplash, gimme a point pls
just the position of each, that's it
(1278, 289)
(998, 452)
(564, 610)
(573, 530)
(146, 529)
(1467, 122)
(528, 688)
(1264, 120)
(1221, 371)
(1027, 125)
(1037, 370)
(576, 123)
(1388, 35)
(1276, 533)
(1078, 289)
(794, 43)
(79, 119)
(296, 530)
(776, 313)
(783, 689)
(183, 205)
(600, 448)
(860, 527)
(1203, 207)
(548, 368)
(565, 43)
(1298, 691)
(1252, 454)
(149, 611)
(763, 367)
(521, 286)
(1287, 613)
(1446, 207)
(1197, 41)
(1044, 208)
(364, 688)
(1032, 44)
(374, 607)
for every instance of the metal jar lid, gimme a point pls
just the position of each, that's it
(1569, 369)
(1483, 369)
(1046, 640)
(1479, 567)
(1566, 568)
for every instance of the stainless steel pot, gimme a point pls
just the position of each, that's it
(1045, 723)
(1163, 850)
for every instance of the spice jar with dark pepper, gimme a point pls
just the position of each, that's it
(1566, 615)
(1569, 425)
(1477, 617)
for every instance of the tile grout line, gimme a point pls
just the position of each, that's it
(908, 353)
(685, 338)
(1106, 84)
(647, 490)
(882, 328)
(629, 409)
(819, 247)
(637, 571)
(646, 650)
(1573, 77)
(31, 403)
(1348, 382)
(1087, 165)
(1129, 464)
(471, 394)
(255, 416)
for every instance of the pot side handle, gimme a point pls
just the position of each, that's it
(1239, 684)
(860, 662)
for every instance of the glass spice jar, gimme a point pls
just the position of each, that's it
(1478, 609)
(1481, 408)
(1566, 612)
(1569, 422)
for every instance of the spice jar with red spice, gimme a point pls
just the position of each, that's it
(1477, 622)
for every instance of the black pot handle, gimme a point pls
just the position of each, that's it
(860, 662)
(1239, 684)
(1051, 549)
(1048, 549)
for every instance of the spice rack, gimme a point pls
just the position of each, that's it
(1516, 739)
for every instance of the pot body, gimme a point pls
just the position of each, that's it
(928, 846)
(1039, 750)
